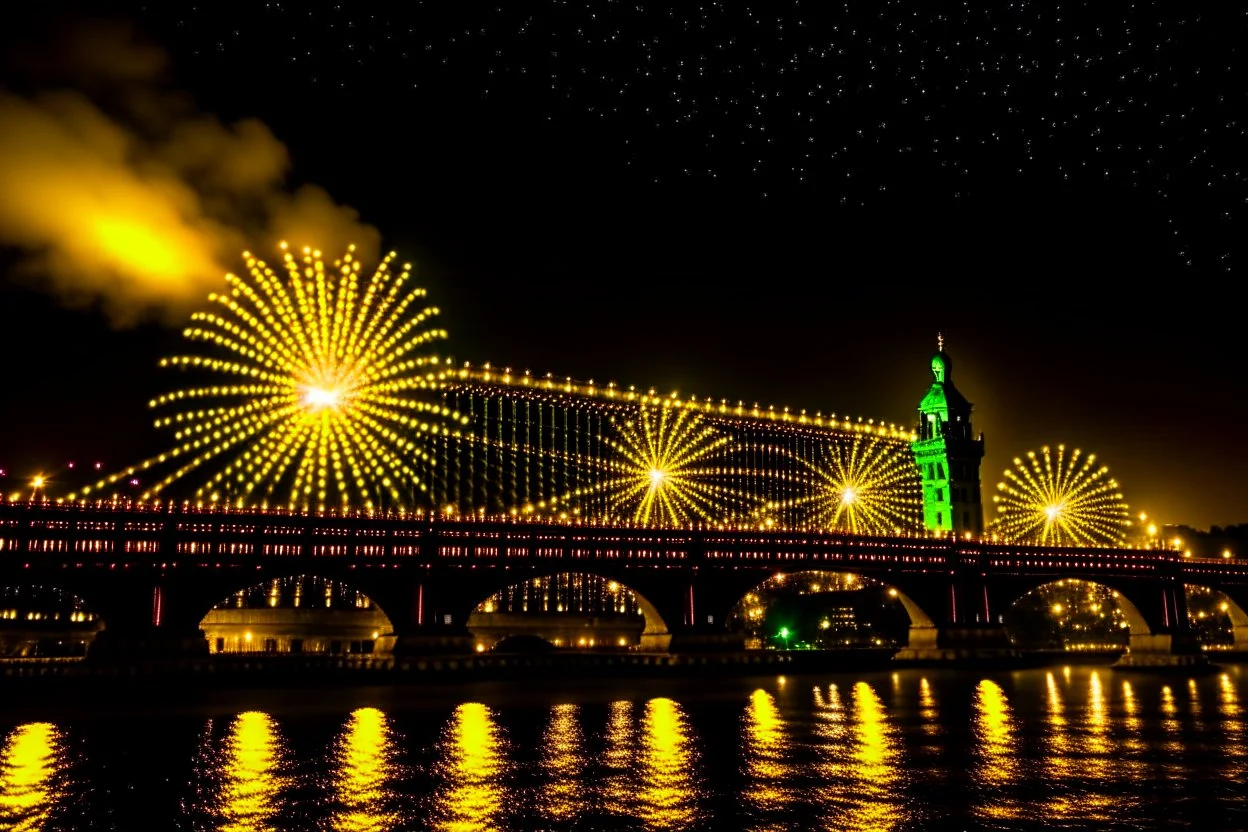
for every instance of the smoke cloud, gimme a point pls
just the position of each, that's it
(119, 191)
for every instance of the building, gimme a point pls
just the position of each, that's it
(948, 454)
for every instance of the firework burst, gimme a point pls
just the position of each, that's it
(863, 485)
(1062, 499)
(311, 389)
(666, 468)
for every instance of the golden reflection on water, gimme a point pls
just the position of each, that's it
(858, 763)
(252, 782)
(1130, 708)
(617, 757)
(1097, 718)
(928, 709)
(668, 793)
(472, 766)
(29, 788)
(563, 763)
(365, 768)
(1232, 727)
(765, 746)
(997, 766)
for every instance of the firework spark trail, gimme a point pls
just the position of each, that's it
(1061, 499)
(666, 468)
(862, 486)
(323, 399)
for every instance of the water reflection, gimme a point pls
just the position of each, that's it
(997, 766)
(764, 748)
(668, 794)
(617, 758)
(927, 708)
(364, 755)
(472, 768)
(1232, 727)
(858, 762)
(251, 780)
(29, 786)
(563, 763)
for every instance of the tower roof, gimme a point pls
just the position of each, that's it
(943, 397)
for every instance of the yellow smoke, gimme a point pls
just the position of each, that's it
(121, 192)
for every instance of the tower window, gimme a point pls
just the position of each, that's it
(940, 494)
(940, 519)
(966, 520)
(940, 470)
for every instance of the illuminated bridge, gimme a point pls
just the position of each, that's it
(683, 506)
(151, 574)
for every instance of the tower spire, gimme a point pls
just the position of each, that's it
(940, 342)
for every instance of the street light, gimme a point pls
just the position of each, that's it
(784, 634)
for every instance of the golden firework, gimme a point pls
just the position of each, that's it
(862, 485)
(1062, 499)
(666, 468)
(322, 395)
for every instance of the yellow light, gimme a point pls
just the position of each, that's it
(1057, 608)
(1052, 512)
(656, 477)
(848, 496)
(1152, 529)
(247, 636)
(319, 397)
(480, 647)
(38, 482)
(325, 394)
(1226, 553)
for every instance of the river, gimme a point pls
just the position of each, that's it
(1061, 747)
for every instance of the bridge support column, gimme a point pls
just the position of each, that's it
(151, 621)
(701, 640)
(1168, 642)
(957, 643)
(1162, 651)
(1240, 632)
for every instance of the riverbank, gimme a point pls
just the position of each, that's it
(320, 672)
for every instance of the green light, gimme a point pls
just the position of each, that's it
(784, 632)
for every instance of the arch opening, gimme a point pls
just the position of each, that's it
(1074, 615)
(819, 610)
(569, 611)
(1214, 616)
(45, 622)
(297, 614)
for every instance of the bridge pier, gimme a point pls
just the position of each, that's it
(957, 643)
(1161, 651)
(427, 641)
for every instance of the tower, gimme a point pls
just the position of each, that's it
(948, 454)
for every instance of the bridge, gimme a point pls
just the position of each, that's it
(152, 572)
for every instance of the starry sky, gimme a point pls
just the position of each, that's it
(776, 202)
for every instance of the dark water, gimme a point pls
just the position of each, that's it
(1085, 748)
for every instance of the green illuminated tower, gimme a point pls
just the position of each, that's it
(948, 454)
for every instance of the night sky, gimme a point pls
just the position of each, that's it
(777, 202)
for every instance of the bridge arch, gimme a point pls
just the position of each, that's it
(568, 609)
(42, 620)
(296, 613)
(1073, 614)
(1216, 616)
(840, 619)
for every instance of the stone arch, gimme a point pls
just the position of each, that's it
(1136, 624)
(494, 618)
(297, 612)
(45, 621)
(1226, 604)
(914, 613)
